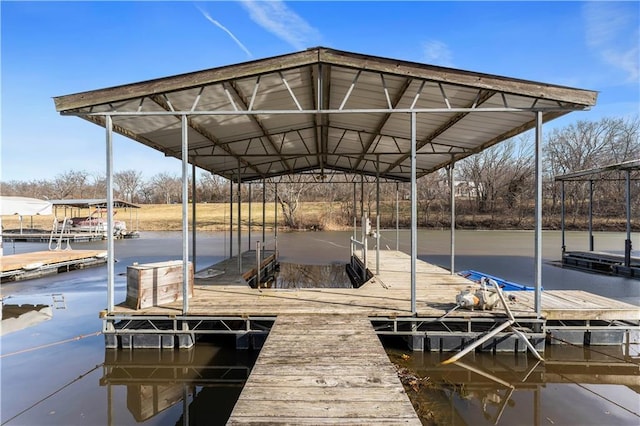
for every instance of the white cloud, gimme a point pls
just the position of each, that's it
(612, 33)
(225, 29)
(437, 53)
(277, 18)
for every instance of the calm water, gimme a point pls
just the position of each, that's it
(46, 382)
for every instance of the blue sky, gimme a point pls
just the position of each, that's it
(50, 49)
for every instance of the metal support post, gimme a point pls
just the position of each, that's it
(110, 246)
(590, 215)
(239, 220)
(397, 217)
(562, 214)
(193, 216)
(264, 211)
(275, 219)
(355, 215)
(414, 214)
(627, 242)
(249, 221)
(452, 190)
(538, 216)
(378, 214)
(361, 194)
(258, 262)
(230, 218)
(185, 215)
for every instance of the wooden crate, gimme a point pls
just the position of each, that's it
(153, 284)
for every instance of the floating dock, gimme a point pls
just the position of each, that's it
(17, 267)
(225, 304)
(602, 262)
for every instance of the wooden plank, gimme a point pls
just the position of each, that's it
(19, 261)
(316, 382)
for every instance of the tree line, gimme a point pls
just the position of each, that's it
(494, 188)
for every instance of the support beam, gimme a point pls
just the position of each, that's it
(414, 214)
(627, 242)
(452, 193)
(397, 217)
(239, 218)
(230, 218)
(249, 221)
(377, 214)
(538, 217)
(590, 214)
(193, 216)
(562, 214)
(185, 215)
(110, 246)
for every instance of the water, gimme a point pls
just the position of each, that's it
(78, 382)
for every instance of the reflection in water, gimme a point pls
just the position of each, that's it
(204, 382)
(517, 389)
(294, 275)
(17, 317)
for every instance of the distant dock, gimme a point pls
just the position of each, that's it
(17, 267)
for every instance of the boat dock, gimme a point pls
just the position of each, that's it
(225, 304)
(323, 369)
(17, 267)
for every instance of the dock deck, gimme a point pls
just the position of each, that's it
(223, 304)
(23, 266)
(316, 369)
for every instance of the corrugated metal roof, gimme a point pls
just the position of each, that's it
(325, 110)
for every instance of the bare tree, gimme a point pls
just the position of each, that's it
(71, 184)
(127, 183)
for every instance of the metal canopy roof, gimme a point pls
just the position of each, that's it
(582, 175)
(325, 110)
(93, 203)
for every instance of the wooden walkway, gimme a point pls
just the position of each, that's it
(38, 263)
(385, 295)
(317, 369)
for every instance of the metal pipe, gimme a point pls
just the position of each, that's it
(627, 243)
(562, 214)
(249, 234)
(361, 194)
(110, 247)
(397, 217)
(264, 211)
(275, 220)
(377, 214)
(239, 219)
(478, 342)
(230, 218)
(414, 214)
(258, 261)
(355, 215)
(185, 215)
(538, 217)
(590, 215)
(193, 216)
(452, 189)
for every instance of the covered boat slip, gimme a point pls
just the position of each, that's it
(324, 111)
(625, 264)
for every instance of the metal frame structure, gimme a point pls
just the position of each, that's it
(591, 175)
(322, 109)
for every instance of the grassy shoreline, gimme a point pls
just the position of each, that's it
(312, 215)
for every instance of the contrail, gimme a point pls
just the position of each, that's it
(223, 28)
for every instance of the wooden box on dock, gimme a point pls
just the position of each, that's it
(153, 284)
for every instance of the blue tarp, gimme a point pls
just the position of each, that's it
(504, 284)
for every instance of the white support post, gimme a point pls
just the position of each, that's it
(378, 214)
(185, 215)
(538, 217)
(452, 190)
(193, 216)
(239, 220)
(414, 214)
(110, 245)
